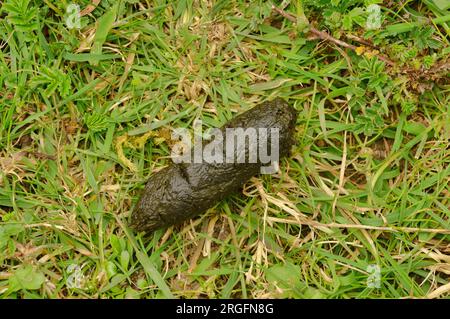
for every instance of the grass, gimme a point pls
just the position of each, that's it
(85, 118)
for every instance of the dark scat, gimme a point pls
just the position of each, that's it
(182, 191)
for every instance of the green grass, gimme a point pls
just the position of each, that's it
(85, 118)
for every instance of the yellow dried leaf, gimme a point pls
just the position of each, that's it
(139, 142)
(360, 50)
(119, 147)
(371, 54)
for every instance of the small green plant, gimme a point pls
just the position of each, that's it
(96, 122)
(52, 80)
(21, 15)
(423, 38)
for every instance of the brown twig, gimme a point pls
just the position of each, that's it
(362, 41)
(327, 37)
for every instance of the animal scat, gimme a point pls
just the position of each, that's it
(182, 191)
